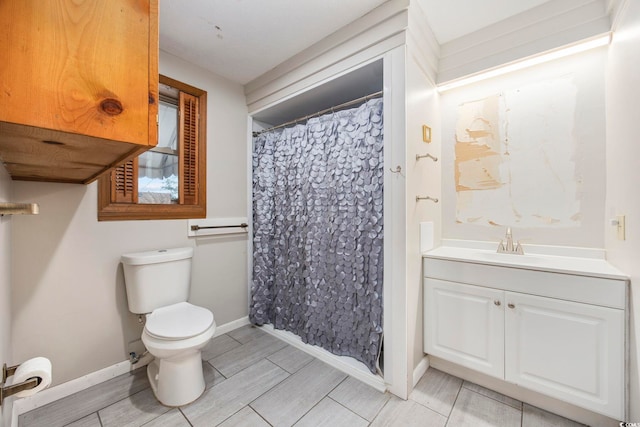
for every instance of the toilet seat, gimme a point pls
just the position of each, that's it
(178, 321)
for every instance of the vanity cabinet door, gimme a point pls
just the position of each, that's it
(567, 350)
(465, 325)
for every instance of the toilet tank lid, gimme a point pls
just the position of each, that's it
(157, 256)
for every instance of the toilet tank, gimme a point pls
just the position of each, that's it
(157, 278)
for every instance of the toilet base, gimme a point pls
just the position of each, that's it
(177, 381)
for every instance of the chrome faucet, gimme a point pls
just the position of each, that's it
(509, 248)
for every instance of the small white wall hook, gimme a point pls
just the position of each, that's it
(422, 156)
(397, 170)
(433, 199)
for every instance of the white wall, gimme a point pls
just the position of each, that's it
(587, 73)
(422, 179)
(68, 297)
(623, 173)
(5, 288)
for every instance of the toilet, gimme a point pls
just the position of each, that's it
(175, 331)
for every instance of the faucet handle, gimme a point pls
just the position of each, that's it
(519, 249)
(501, 248)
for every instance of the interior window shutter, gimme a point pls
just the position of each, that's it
(124, 180)
(188, 149)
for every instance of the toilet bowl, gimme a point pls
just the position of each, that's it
(175, 336)
(175, 331)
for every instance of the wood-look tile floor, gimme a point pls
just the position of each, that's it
(254, 379)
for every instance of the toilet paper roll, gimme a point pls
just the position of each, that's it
(36, 367)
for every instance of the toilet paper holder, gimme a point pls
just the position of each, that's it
(15, 388)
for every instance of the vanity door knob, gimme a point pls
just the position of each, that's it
(497, 302)
(511, 305)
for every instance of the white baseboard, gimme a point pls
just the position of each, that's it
(345, 364)
(420, 369)
(235, 324)
(539, 400)
(21, 406)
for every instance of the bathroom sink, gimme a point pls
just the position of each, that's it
(509, 258)
(489, 256)
(484, 253)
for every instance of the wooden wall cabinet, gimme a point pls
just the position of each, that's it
(78, 86)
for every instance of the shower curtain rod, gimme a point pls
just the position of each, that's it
(319, 113)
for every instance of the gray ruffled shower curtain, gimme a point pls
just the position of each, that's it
(318, 231)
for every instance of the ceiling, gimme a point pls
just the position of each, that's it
(450, 19)
(242, 39)
(357, 84)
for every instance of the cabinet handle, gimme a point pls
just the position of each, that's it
(497, 302)
(511, 305)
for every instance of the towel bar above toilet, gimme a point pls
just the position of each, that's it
(199, 227)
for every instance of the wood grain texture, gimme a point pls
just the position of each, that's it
(124, 178)
(133, 411)
(329, 413)
(75, 77)
(287, 402)
(246, 333)
(188, 148)
(291, 359)
(493, 395)
(173, 418)
(246, 417)
(219, 345)
(240, 358)
(36, 154)
(58, 413)
(536, 417)
(211, 375)
(88, 421)
(437, 390)
(308, 397)
(407, 413)
(68, 60)
(360, 398)
(225, 399)
(110, 210)
(475, 410)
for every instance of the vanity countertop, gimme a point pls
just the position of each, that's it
(584, 262)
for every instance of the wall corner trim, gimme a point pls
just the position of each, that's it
(618, 10)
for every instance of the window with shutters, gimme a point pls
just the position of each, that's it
(168, 181)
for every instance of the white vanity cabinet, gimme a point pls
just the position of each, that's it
(568, 350)
(562, 335)
(465, 324)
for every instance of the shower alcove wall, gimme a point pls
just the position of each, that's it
(386, 50)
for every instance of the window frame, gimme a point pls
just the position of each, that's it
(111, 210)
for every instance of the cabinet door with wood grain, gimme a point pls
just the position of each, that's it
(78, 68)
